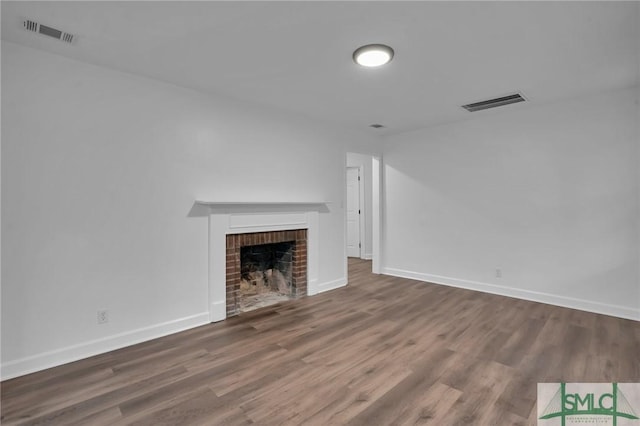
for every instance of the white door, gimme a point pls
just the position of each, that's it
(353, 212)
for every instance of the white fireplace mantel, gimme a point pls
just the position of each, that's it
(245, 217)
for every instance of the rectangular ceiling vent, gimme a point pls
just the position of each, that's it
(35, 27)
(493, 103)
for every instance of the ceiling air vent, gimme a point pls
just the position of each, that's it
(492, 103)
(35, 27)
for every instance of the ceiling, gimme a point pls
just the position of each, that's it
(296, 56)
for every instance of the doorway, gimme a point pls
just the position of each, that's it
(363, 196)
(354, 212)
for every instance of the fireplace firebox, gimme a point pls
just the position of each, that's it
(264, 268)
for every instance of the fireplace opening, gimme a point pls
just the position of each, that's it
(264, 268)
(265, 275)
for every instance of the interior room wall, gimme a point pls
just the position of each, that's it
(364, 161)
(100, 170)
(545, 196)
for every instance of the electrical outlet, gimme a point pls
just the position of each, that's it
(498, 273)
(103, 317)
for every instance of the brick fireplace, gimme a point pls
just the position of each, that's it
(297, 266)
(233, 225)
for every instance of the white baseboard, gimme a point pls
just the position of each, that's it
(72, 353)
(534, 296)
(367, 256)
(332, 285)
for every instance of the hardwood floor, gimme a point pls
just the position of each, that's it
(381, 351)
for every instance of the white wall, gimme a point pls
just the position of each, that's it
(365, 162)
(547, 194)
(100, 170)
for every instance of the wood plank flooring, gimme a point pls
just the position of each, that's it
(382, 351)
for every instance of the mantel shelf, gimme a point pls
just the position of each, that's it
(261, 203)
(263, 206)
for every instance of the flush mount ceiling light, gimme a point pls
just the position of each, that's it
(373, 55)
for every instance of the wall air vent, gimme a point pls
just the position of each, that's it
(492, 103)
(36, 27)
